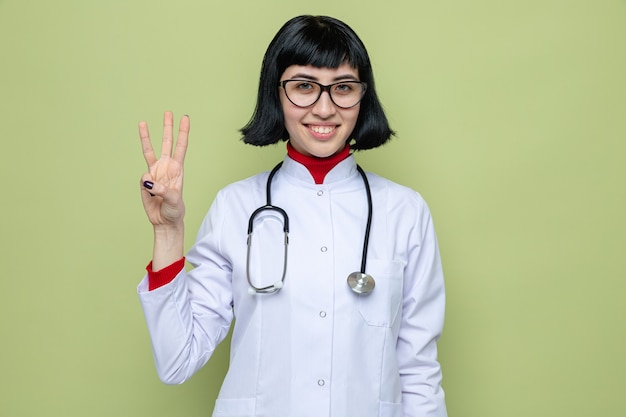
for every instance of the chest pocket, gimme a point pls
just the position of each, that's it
(382, 305)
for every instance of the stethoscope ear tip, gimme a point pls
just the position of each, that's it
(251, 291)
(278, 285)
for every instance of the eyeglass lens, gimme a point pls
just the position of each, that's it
(344, 94)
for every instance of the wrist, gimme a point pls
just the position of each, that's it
(168, 245)
(167, 230)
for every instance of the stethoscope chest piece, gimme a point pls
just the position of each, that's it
(361, 283)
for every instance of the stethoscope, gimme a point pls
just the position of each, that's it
(360, 282)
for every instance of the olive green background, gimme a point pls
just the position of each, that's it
(511, 122)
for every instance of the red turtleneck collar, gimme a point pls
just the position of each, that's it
(318, 167)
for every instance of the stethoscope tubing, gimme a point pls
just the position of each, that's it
(368, 225)
(360, 283)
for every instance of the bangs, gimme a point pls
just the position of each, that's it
(321, 45)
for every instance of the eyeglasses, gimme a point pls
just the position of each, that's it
(305, 93)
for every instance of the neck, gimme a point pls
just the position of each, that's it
(318, 167)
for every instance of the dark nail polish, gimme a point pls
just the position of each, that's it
(148, 184)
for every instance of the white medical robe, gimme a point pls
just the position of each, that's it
(315, 348)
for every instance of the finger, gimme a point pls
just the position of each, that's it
(148, 185)
(146, 145)
(182, 141)
(155, 189)
(168, 134)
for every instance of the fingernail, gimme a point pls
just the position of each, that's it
(148, 184)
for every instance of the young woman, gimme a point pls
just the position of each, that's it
(333, 275)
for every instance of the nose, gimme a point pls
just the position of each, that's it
(324, 106)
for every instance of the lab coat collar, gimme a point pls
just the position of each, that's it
(342, 171)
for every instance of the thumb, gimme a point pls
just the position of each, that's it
(169, 195)
(148, 185)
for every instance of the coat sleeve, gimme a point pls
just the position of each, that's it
(422, 323)
(191, 315)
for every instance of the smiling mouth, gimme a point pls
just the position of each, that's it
(323, 130)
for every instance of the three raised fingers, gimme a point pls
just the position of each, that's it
(167, 139)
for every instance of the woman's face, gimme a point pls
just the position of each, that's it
(321, 129)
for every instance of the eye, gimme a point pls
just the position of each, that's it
(304, 86)
(344, 88)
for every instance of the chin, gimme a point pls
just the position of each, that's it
(325, 153)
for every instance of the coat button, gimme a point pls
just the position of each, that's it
(322, 314)
(323, 248)
(320, 193)
(321, 382)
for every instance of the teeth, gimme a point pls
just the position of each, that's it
(322, 129)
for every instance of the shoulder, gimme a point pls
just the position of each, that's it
(405, 212)
(233, 202)
(401, 205)
(243, 188)
(237, 197)
(394, 192)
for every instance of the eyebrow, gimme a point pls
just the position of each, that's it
(343, 77)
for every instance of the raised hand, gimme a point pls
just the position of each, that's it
(162, 185)
(162, 190)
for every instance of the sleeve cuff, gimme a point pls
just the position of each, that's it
(163, 276)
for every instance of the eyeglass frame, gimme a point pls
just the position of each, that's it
(322, 89)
